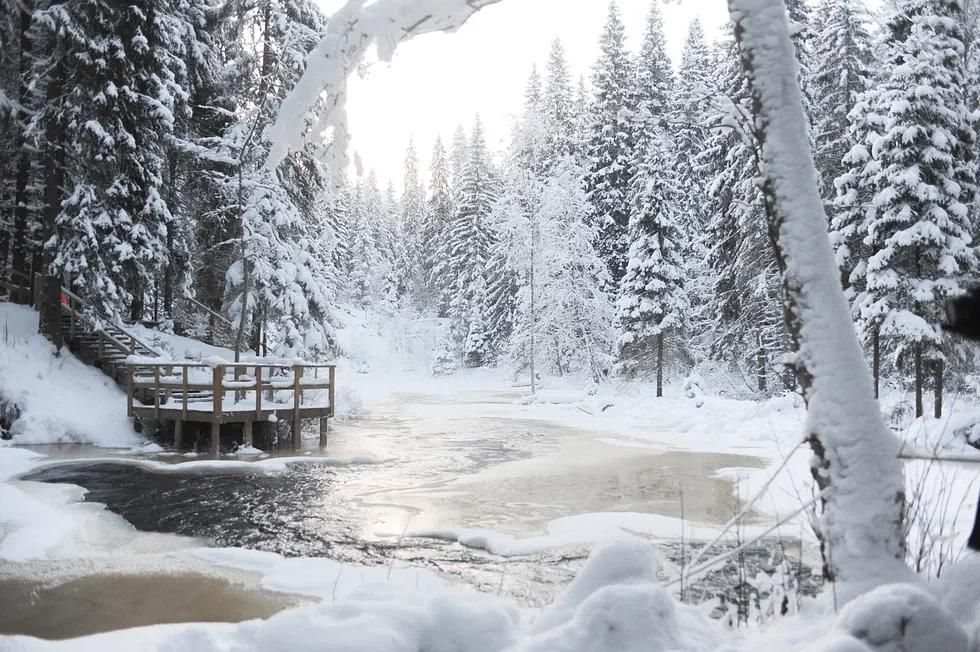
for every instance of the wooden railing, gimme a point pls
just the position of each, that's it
(16, 283)
(281, 384)
(110, 337)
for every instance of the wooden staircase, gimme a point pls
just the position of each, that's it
(107, 347)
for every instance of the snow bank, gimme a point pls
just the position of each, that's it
(320, 578)
(615, 604)
(61, 399)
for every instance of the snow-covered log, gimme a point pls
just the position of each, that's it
(351, 31)
(856, 455)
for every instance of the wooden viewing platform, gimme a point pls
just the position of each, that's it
(244, 393)
(174, 392)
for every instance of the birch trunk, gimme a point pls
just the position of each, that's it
(856, 456)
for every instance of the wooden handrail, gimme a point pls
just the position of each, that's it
(161, 379)
(231, 365)
(133, 340)
(211, 312)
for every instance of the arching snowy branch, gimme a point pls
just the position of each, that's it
(352, 30)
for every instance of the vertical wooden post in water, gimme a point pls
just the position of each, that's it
(297, 402)
(324, 429)
(247, 426)
(178, 433)
(217, 387)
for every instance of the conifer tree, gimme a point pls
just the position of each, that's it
(414, 219)
(653, 303)
(436, 232)
(924, 182)
(610, 147)
(654, 81)
(110, 238)
(470, 241)
(693, 98)
(841, 56)
(557, 105)
(744, 303)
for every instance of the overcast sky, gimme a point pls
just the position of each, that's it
(438, 81)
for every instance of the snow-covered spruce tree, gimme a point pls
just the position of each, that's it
(364, 260)
(610, 147)
(654, 81)
(436, 232)
(841, 59)
(391, 239)
(110, 238)
(744, 304)
(849, 219)
(692, 102)
(340, 223)
(289, 278)
(653, 303)
(470, 239)
(446, 268)
(924, 181)
(857, 465)
(557, 105)
(21, 90)
(414, 221)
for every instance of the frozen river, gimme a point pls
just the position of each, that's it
(450, 464)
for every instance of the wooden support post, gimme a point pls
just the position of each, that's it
(331, 393)
(247, 426)
(167, 391)
(178, 433)
(132, 345)
(183, 400)
(215, 437)
(324, 429)
(239, 393)
(156, 391)
(129, 391)
(258, 392)
(297, 402)
(217, 390)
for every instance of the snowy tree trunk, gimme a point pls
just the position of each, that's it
(856, 464)
(19, 247)
(919, 410)
(660, 365)
(49, 322)
(938, 380)
(876, 360)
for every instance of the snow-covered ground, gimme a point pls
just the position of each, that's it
(615, 604)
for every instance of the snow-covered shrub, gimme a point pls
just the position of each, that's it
(446, 362)
(616, 603)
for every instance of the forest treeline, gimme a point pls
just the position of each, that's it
(622, 232)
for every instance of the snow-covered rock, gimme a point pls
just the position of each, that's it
(902, 618)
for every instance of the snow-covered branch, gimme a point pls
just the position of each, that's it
(351, 31)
